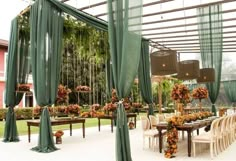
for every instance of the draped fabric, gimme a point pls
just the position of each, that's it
(125, 54)
(17, 72)
(144, 75)
(210, 37)
(230, 90)
(84, 17)
(46, 24)
(109, 78)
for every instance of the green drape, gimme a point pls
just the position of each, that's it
(230, 90)
(17, 72)
(210, 37)
(125, 55)
(84, 17)
(46, 24)
(144, 76)
(109, 78)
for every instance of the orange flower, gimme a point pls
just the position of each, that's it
(200, 93)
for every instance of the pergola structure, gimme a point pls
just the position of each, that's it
(172, 24)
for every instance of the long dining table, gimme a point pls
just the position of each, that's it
(189, 128)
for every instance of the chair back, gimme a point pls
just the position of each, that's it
(153, 121)
(145, 124)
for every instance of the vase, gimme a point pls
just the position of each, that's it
(180, 108)
(200, 104)
(58, 140)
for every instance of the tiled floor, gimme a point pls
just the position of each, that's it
(100, 146)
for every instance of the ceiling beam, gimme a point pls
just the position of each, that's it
(184, 31)
(198, 52)
(177, 9)
(105, 2)
(182, 18)
(186, 35)
(179, 47)
(183, 40)
(193, 43)
(199, 49)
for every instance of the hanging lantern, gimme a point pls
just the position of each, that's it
(188, 69)
(206, 75)
(164, 62)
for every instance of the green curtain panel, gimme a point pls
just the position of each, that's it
(17, 72)
(125, 54)
(210, 37)
(46, 24)
(144, 75)
(109, 78)
(230, 90)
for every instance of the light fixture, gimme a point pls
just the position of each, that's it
(188, 69)
(164, 62)
(206, 75)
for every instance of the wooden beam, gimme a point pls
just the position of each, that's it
(190, 52)
(192, 49)
(183, 40)
(178, 9)
(186, 35)
(182, 18)
(105, 2)
(193, 43)
(184, 31)
(198, 46)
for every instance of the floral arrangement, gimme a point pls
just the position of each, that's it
(62, 95)
(83, 88)
(200, 93)
(180, 93)
(137, 105)
(58, 133)
(114, 97)
(72, 109)
(172, 135)
(23, 87)
(92, 113)
(96, 106)
(110, 107)
(37, 110)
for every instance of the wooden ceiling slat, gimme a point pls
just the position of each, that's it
(172, 37)
(177, 9)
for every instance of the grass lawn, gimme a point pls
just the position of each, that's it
(23, 129)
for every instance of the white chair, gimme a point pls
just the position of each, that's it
(151, 134)
(209, 138)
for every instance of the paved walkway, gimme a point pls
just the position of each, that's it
(99, 146)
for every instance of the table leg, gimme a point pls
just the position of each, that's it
(112, 125)
(99, 124)
(83, 130)
(160, 140)
(29, 133)
(197, 131)
(189, 142)
(70, 129)
(135, 121)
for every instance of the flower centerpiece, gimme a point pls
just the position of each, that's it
(200, 93)
(96, 106)
(137, 105)
(23, 87)
(62, 95)
(181, 94)
(72, 110)
(83, 88)
(58, 134)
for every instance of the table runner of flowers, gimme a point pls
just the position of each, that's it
(172, 132)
